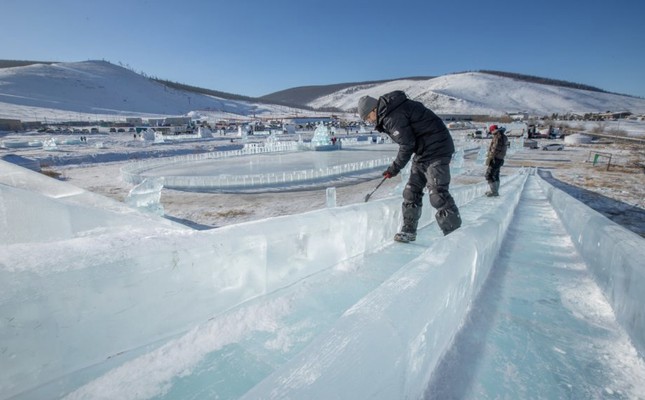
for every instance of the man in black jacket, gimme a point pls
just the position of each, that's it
(420, 132)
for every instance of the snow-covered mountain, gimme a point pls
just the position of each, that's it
(482, 93)
(100, 90)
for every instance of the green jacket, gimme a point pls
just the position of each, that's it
(498, 146)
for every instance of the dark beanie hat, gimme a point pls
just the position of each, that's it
(365, 105)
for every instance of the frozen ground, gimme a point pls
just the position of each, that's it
(542, 326)
(618, 193)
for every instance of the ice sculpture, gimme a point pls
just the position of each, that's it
(331, 197)
(49, 144)
(146, 196)
(321, 136)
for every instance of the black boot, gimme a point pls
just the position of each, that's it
(448, 219)
(411, 214)
(494, 189)
(405, 237)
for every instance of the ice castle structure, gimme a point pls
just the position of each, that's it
(321, 139)
(321, 136)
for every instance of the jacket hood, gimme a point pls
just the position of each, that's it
(390, 102)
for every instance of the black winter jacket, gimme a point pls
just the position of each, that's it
(416, 129)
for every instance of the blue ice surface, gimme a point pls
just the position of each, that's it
(540, 328)
(505, 307)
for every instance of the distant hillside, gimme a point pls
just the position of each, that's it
(486, 93)
(176, 85)
(545, 81)
(302, 95)
(97, 87)
(21, 63)
(230, 96)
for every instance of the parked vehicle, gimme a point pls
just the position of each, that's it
(531, 144)
(553, 147)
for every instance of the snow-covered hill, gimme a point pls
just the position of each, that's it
(98, 89)
(482, 93)
(93, 90)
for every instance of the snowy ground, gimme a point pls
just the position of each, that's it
(618, 193)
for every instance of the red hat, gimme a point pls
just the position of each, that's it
(492, 128)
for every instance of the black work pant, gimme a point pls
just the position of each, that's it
(435, 175)
(492, 172)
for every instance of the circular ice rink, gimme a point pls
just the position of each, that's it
(268, 171)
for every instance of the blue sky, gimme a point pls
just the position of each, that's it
(256, 47)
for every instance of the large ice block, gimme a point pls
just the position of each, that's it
(614, 254)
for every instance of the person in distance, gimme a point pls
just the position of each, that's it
(495, 158)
